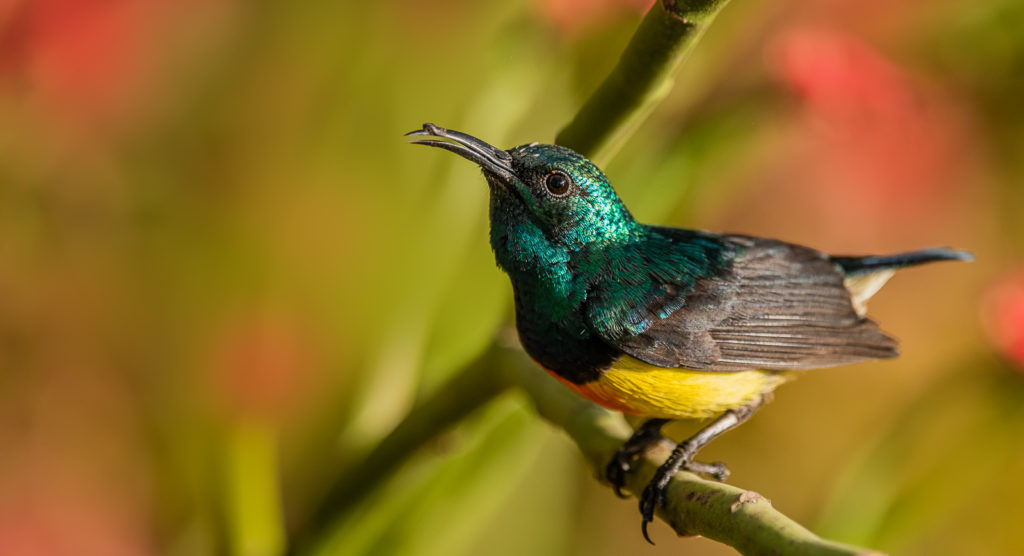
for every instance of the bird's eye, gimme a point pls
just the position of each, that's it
(557, 183)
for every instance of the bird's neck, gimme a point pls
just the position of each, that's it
(539, 269)
(549, 293)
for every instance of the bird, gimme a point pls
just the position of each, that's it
(660, 322)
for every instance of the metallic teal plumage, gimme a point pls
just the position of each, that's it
(582, 268)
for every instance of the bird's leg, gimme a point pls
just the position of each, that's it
(645, 435)
(682, 458)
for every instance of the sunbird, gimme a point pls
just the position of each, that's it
(665, 323)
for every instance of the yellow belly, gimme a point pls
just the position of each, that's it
(632, 386)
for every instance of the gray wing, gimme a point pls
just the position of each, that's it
(779, 307)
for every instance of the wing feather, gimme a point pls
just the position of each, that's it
(777, 306)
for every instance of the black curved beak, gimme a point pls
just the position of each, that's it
(490, 158)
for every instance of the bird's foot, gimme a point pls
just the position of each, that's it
(681, 458)
(622, 462)
(654, 493)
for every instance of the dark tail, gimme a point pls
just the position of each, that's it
(853, 266)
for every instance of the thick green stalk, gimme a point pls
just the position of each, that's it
(694, 506)
(642, 77)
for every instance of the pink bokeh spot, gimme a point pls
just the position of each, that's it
(79, 58)
(870, 126)
(263, 365)
(1004, 317)
(87, 65)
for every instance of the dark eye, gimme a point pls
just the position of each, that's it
(557, 183)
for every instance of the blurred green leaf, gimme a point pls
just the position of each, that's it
(437, 506)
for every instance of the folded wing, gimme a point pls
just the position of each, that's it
(777, 306)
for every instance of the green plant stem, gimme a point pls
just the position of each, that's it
(740, 518)
(472, 388)
(250, 477)
(640, 79)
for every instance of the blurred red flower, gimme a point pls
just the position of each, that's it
(1004, 317)
(890, 141)
(82, 58)
(263, 365)
(91, 66)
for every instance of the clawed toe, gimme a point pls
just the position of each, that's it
(654, 493)
(717, 470)
(616, 471)
(652, 497)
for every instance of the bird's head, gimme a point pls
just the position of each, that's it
(551, 189)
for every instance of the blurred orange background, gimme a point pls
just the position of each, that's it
(224, 274)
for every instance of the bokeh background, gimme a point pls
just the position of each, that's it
(224, 275)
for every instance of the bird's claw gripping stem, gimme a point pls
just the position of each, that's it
(621, 463)
(682, 458)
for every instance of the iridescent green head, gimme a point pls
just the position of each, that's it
(551, 189)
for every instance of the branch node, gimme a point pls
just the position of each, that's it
(747, 497)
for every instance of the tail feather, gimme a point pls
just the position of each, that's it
(856, 266)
